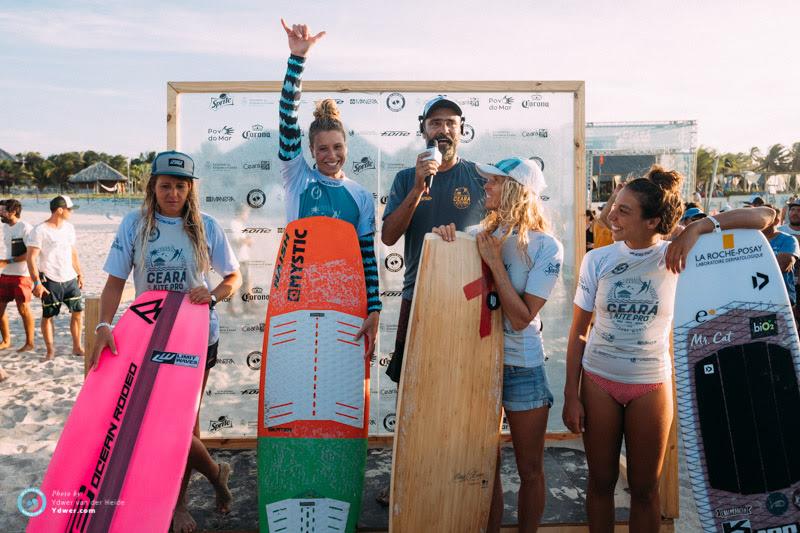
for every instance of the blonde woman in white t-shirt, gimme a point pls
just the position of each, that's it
(618, 381)
(525, 261)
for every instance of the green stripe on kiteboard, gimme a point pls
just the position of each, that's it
(291, 468)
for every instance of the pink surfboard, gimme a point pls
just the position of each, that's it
(120, 458)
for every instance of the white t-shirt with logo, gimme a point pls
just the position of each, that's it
(169, 263)
(534, 274)
(55, 258)
(12, 235)
(632, 295)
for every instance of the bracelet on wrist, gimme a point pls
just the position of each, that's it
(103, 325)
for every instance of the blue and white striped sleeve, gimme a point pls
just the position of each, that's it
(288, 130)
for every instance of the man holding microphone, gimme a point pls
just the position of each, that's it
(433, 193)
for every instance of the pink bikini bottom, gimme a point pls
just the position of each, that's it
(623, 393)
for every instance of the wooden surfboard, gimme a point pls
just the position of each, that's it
(314, 395)
(448, 424)
(737, 363)
(121, 456)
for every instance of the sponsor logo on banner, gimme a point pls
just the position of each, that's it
(256, 102)
(221, 423)
(256, 231)
(536, 100)
(174, 358)
(502, 103)
(226, 329)
(365, 164)
(461, 198)
(392, 294)
(226, 361)
(394, 262)
(363, 101)
(219, 199)
(384, 199)
(395, 133)
(254, 328)
(764, 326)
(473, 101)
(254, 360)
(383, 359)
(395, 102)
(247, 392)
(264, 164)
(541, 132)
(256, 131)
(221, 101)
(223, 134)
(503, 134)
(338, 101)
(220, 167)
(257, 294)
(389, 422)
(468, 135)
(256, 198)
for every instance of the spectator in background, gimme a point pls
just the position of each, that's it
(691, 214)
(793, 229)
(15, 282)
(755, 201)
(56, 276)
(589, 230)
(786, 250)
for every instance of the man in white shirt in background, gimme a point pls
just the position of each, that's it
(57, 277)
(15, 283)
(793, 229)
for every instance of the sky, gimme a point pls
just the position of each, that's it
(92, 74)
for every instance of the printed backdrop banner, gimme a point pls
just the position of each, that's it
(233, 139)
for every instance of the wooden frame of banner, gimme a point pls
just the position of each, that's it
(669, 479)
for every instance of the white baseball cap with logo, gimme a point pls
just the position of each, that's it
(173, 163)
(526, 172)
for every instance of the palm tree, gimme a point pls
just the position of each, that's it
(794, 154)
(777, 159)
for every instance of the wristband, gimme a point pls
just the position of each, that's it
(717, 227)
(36, 282)
(103, 325)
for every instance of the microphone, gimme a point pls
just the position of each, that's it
(433, 154)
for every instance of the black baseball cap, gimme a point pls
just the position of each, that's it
(173, 163)
(62, 201)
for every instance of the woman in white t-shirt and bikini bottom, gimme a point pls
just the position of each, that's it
(618, 381)
(525, 262)
(171, 237)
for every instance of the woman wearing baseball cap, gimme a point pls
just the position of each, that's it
(169, 236)
(525, 260)
(324, 190)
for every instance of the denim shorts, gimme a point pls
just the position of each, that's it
(525, 388)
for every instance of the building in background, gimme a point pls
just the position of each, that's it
(618, 150)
